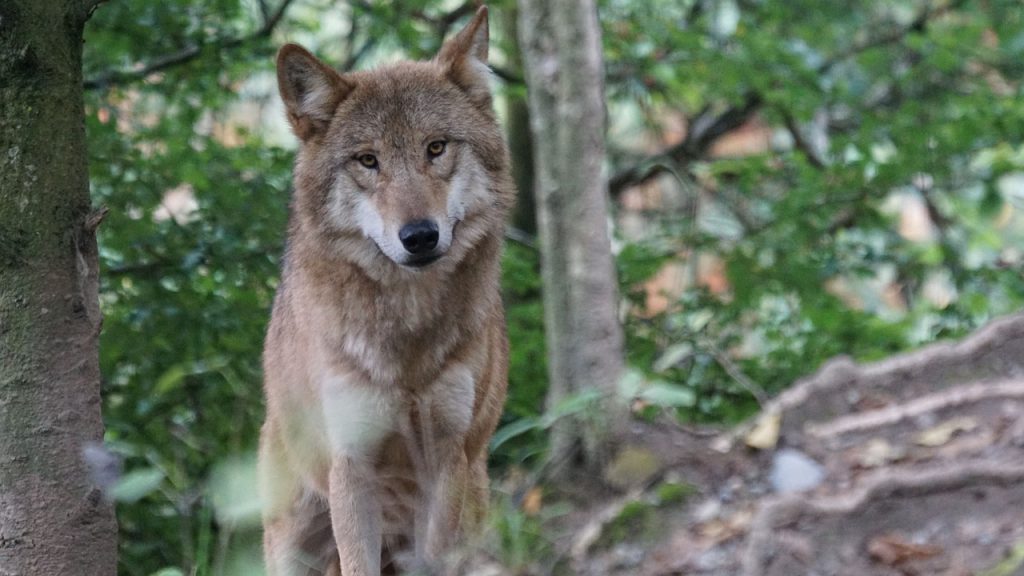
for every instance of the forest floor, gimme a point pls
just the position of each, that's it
(910, 466)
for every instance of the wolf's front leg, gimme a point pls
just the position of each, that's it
(355, 517)
(358, 419)
(446, 503)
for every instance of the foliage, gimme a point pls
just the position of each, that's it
(187, 277)
(870, 106)
(527, 356)
(875, 111)
(521, 541)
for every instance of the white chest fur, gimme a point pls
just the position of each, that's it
(358, 416)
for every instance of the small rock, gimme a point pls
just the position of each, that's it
(627, 556)
(707, 510)
(794, 471)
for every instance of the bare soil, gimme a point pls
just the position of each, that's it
(922, 473)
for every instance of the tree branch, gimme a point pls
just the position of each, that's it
(188, 54)
(444, 22)
(264, 10)
(918, 24)
(703, 132)
(357, 55)
(799, 141)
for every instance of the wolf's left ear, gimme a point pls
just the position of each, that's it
(465, 57)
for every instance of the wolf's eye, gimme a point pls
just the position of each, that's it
(368, 161)
(436, 148)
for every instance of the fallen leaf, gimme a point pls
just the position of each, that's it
(895, 550)
(765, 434)
(722, 529)
(532, 501)
(941, 434)
(878, 452)
(638, 405)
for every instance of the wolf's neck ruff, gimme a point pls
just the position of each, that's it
(386, 357)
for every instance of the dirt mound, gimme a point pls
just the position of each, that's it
(909, 466)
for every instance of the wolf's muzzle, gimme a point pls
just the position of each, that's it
(419, 237)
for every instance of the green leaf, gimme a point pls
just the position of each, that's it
(673, 355)
(136, 484)
(668, 395)
(512, 430)
(233, 491)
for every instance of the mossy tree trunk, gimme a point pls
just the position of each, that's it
(561, 43)
(53, 520)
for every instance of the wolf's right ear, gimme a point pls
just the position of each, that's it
(465, 58)
(311, 90)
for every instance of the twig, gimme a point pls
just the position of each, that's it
(742, 379)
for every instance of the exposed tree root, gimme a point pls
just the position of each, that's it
(784, 513)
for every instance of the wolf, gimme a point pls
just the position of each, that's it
(385, 361)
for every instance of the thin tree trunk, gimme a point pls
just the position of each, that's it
(561, 42)
(520, 141)
(53, 520)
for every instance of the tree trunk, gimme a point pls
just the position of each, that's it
(520, 141)
(561, 42)
(53, 519)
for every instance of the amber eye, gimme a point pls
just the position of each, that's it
(367, 160)
(436, 148)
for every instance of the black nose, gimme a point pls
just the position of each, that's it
(419, 237)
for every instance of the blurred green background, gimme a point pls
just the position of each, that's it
(791, 180)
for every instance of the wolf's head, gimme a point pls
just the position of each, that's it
(406, 161)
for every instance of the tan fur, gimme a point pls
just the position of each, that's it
(384, 382)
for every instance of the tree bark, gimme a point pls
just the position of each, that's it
(53, 519)
(561, 42)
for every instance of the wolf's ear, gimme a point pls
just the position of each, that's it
(311, 90)
(465, 58)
